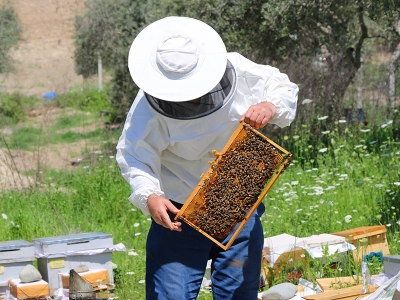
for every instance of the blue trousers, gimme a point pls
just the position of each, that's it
(176, 262)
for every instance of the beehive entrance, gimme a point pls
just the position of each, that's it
(234, 185)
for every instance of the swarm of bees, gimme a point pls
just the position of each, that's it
(234, 184)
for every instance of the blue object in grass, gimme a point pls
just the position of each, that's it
(50, 95)
(370, 257)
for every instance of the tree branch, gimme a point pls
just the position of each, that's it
(392, 86)
(378, 37)
(363, 36)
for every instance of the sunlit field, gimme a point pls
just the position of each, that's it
(349, 179)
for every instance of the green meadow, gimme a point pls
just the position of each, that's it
(340, 178)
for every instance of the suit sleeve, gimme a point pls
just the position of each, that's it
(138, 152)
(266, 83)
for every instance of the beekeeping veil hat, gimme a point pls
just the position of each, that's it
(177, 59)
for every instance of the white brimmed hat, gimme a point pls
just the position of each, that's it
(177, 59)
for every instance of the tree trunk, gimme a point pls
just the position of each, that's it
(392, 69)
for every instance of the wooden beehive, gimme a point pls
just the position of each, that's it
(234, 185)
(366, 239)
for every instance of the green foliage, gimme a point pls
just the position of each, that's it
(386, 12)
(107, 29)
(10, 31)
(69, 126)
(331, 175)
(14, 107)
(84, 98)
(26, 138)
(349, 178)
(389, 210)
(70, 136)
(305, 138)
(92, 199)
(122, 93)
(30, 138)
(318, 44)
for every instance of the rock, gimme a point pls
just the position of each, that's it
(7, 130)
(281, 291)
(81, 269)
(29, 274)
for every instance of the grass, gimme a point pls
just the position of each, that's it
(28, 138)
(78, 119)
(348, 178)
(86, 98)
(94, 198)
(63, 128)
(14, 107)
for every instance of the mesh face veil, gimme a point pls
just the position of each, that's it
(206, 105)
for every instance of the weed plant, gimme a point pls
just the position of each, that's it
(66, 129)
(349, 177)
(14, 107)
(86, 98)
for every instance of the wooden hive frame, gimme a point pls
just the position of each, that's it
(196, 203)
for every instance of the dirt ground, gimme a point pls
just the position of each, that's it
(44, 58)
(14, 164)
(43, 62)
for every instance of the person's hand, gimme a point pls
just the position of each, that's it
(158, 207)
(258, 115)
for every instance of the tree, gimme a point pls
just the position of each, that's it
(317, 43)
(107, 28)
(392, 67)
(10, 32)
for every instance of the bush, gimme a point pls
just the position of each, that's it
(14, 107)
(10, 32)
(108, 28)
(86, 99)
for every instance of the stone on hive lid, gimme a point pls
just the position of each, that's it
(282, 291)
(29, 274)
(81, 269)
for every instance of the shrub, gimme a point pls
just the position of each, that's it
(87, 99)
(14, 107)
(10, 32)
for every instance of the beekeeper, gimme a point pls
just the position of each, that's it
(192, 96)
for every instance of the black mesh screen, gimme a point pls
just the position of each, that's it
(207, 104)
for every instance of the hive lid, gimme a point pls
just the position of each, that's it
(14, 245)
(72, 238)
(392, 258)
(361, 232)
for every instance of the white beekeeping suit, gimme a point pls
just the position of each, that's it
(165, 154)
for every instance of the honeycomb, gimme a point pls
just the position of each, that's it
(234, 184)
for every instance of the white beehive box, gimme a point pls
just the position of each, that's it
(60, 254)
(391, 264)
(14, 256)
